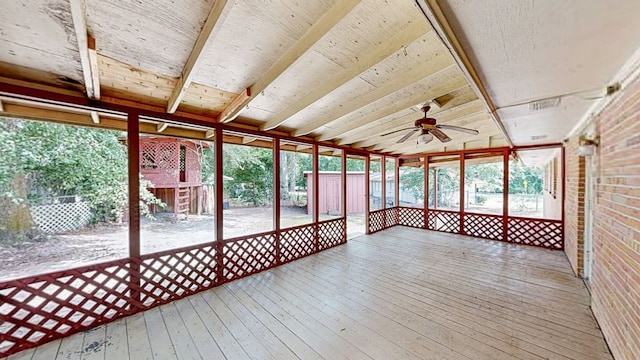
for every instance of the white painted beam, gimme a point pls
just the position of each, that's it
(306, 42)
(161, 127)
(1, 106)
(209, 134)
(368, 60)
(86, 49)
(248, 139)
(212, 24)
(95, 117)
(439, 89)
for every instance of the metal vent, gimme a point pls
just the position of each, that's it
(538, 137)
(544, 104)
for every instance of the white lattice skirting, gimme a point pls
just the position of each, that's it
(58, 218)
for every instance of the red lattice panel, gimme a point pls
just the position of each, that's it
(248, 255)
(413, 217)
(447, 221)
(177, 273)
(536, 232)
(39, 309)
(390, 217)
(297, 242)
(483, 226)
(332, 233)
(376, 221)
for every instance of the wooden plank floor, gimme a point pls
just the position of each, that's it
(398, 294)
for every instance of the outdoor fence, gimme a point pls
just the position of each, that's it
(63, 216)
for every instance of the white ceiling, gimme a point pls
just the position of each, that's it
(528, 50)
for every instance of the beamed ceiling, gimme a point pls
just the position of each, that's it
(344, 72)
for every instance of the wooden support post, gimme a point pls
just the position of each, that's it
(316, 198)
(426, 192)
(396, 193)
(462, 194)
(383, 192)
(276, 196)
(133, 153)
(367, 193)
(219, 216)
(505, 195)
(343, 200)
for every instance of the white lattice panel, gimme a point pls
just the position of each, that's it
(58, 218)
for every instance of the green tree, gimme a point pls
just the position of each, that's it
(252, 171)
(60, 160)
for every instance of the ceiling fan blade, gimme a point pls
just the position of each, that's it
(397, 131)
(440, 135)
(408, 135)
(459, 128)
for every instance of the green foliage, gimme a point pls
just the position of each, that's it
(69, 160)
(525, 179)
(252, 171)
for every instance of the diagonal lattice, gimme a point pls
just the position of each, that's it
(174, 274)
(297, 242)
(413, 217)
(447, 221)
(332, 233)
(483, 226)
(536, 232)
(376, 221)
(390, 217)
(50, 306)
(248, 255)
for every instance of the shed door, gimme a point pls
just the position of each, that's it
(333, 195)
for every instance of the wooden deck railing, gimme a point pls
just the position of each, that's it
(41, 308)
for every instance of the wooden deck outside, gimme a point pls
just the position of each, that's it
(398, 294)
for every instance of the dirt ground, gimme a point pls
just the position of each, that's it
(110, 241)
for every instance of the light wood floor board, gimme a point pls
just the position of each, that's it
(398, 294)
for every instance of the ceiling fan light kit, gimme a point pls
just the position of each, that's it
(425, 138)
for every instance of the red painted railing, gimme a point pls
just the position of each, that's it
(41, 308)
(544, 233)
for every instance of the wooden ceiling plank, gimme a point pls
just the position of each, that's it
(306, 42)
(438, 89)
(387, 48)
(211, 26)
(86, 49)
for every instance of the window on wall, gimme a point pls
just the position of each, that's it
(248, 185)
(329, 183)
(177, 190)
(412, 185)
(483, 183)
(375, 183)
(296, 196)
(390, 170)
(446, 180)
(63, 196)
(527, 197)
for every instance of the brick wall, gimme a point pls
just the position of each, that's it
(615, 282)
(574, 206)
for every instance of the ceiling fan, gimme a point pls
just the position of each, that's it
(429, 129)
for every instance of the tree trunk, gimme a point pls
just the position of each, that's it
(16, 224)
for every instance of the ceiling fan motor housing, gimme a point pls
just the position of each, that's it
(425, 121)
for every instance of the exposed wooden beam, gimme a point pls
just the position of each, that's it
(95, 117)
(387, 48)
(462, 106)
(427, 68)
(210, 28)
(86, 49)
(440, 87)
(235, 106)
(315, 33)
(162, 127)
(248, 139)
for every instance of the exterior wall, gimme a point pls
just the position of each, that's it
(574, 207)
(615, 280)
